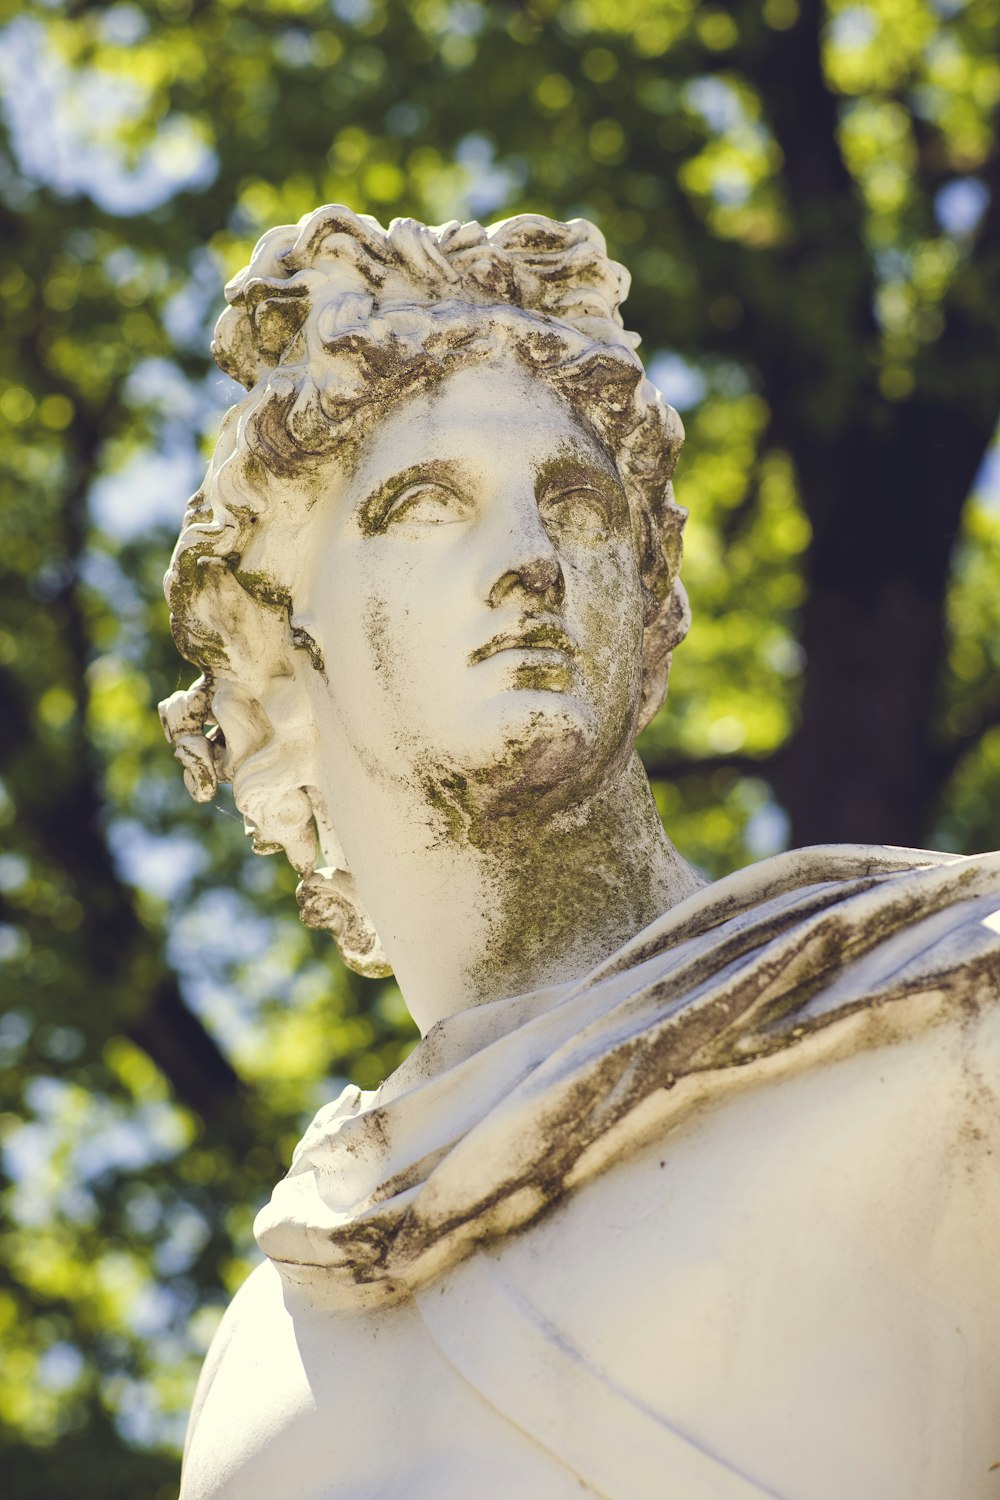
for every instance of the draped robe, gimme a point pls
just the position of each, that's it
(719, 1220)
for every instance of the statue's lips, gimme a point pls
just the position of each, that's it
(535, 638)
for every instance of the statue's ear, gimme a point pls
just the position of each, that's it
(268, 757)
(250, 722)
(184, 716)
(329, 900)
(664, 631)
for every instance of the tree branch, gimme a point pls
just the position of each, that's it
(676, 768)
(59, 797)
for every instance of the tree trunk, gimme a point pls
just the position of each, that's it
(886, 511)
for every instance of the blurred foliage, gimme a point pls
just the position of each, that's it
(808, 196)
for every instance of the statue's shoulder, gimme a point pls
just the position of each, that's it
(256, 1306)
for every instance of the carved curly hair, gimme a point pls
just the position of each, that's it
(333, 317)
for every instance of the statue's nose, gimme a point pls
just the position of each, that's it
(524, 558)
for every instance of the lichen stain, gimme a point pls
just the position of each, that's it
(536, 911)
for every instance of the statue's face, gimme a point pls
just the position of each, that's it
(476, 596)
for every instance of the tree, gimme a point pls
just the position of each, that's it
(808, 196)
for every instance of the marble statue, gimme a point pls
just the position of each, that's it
(689, 1190)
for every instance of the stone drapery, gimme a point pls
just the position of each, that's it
(504, 1109)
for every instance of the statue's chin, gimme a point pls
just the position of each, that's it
(549, 753)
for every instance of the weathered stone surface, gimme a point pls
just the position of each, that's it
(347, 335)
(687, 1189)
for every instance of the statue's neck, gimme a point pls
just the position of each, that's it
(539, 903)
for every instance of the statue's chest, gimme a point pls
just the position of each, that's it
(309, 1405)
(798, 1281)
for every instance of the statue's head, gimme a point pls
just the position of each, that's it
(436, 548)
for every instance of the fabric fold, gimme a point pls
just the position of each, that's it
(497, 1115)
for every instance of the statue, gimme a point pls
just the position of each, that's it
(688, 1189)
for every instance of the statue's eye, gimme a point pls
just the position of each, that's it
(424, 504)
(583, 510)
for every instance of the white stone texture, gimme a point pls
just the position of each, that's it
(688, 1190)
